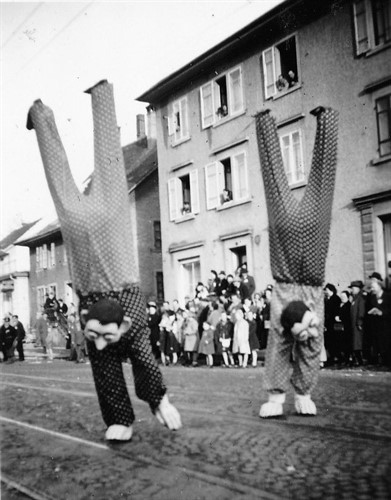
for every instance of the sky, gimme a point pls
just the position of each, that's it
(54, 51)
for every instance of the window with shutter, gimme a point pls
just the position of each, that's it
(174, 198)
(52, 254)
(194, 192)
(292, 156)
(372, 24)
(239, 174)
(207, 105)
(235, 91)
(280, 67)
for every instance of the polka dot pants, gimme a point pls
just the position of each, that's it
(289, 361)
(106, 364)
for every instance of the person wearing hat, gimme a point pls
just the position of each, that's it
(8, 340)
(379, 320)
(357, 316)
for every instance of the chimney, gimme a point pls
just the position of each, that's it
(151, 122)
(140, 125)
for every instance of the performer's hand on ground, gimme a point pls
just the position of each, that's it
(119, 433)
(168, 415)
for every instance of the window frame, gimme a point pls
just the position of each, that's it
(368, 25)
(388, 111)
(276, 69)
(210, 91)
(216, 170)
(290, 133)
(179, 109)
(175, 196)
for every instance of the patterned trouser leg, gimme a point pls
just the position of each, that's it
(286, 359)
(106, 364)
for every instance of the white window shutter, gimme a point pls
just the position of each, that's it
(184, 118)
(173, 195)
(194, 192)
(38, 257)
(360, 15)
(269, 72)
(53, 254)
(220, 180)
(207, 105)
(240, 178)
(45, 256)
(171, 124)
(211, 185)
(235, 91)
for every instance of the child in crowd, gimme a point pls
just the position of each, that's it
(207, 344)
(191, 337)
(241, 344)
(253, 339)
(169, 346)
(224, 334)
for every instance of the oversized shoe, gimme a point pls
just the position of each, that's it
(304, 405)
(274, 407)
(118, 432)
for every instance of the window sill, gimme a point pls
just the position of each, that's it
(178, 143)
(379, 161)
(229, 118)
(184, 218)
(297, 185)
(230, 204)
(376, 50)
(283, 94)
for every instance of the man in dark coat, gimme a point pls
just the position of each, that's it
(21, 334)
(8, 336)
(379, 320)
(357, 315)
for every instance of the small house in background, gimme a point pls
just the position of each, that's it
(14, 275)
(48, 266)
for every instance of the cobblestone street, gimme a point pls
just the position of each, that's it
(53, 446)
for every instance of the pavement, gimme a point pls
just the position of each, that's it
(53, 437)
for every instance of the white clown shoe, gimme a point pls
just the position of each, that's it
(273, 408)
(304, 404)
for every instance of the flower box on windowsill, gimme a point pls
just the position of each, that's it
(184, 218)
(232, 203)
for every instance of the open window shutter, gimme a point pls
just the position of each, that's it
(52, 254)
(194, 194)
(211, 185)
(38, 257)
(170, 123)
(269, 72)
(45, 256)
(207, 105)
(173, 195)
(361, 26)
(240, 181)
(235, 91)
(220, 180)
(184, 118)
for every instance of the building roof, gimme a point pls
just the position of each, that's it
(12, 237)
(284, 18)
(41, 233)
(139, 164)
(140, 159)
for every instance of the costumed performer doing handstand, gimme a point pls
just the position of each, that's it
(97, 231)
(299, 238)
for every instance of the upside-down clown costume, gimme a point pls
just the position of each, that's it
(298, 238)
(97, 232)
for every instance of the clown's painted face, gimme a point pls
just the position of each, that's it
(102, 335)
(308, 327)
(105, 323)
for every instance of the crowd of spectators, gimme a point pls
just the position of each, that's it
(358, 324)
(225, 323)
